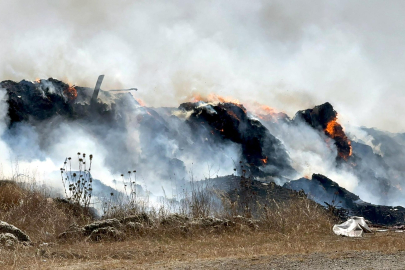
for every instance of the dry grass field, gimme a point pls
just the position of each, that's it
(293, 232)
(168, 252)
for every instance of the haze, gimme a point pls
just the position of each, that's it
(290, 55)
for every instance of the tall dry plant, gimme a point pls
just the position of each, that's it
(78, 183)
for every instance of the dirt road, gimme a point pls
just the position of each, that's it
(347, 260)
(316, 261)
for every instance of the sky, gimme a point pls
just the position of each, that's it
(289, 55)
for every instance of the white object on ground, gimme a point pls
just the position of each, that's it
(353, 227)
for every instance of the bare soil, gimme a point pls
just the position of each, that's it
(255, 250)
(347, 260)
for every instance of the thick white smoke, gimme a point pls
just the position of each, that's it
(312, 152)
(288, 54)
(159, 147)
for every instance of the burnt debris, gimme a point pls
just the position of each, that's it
(96, 90)
(262, 153)
(327, 192)
(44, 99)
(167, 138)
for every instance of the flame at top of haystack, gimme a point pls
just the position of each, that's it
(70, 93)
(230, 121)
(335, 131)
(215, 99)
(324, 117)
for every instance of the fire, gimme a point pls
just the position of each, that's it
(332, 128)
(267, 109)
(37, 80)
(231, 113)
(214, 98)
(70, 93)
(264, 112)
(141, 102)
(335, 131)
(264, 160)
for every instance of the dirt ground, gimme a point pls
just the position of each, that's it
(347, 260)
(224, 251)
(331, 261)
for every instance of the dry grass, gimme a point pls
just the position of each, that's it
(147, 251)
(298, 226)
(40, 217)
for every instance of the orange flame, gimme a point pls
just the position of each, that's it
(332, 129)
(268, 109)
(214, 98)
(335, 131)
(231, 113)
(141, 102)
(264, 160)
(70, 93)
(264, 112)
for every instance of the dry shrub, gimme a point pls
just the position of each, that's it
(296, 225)
(44, 218)
(299, 215)
(40, 217)
(10, 195)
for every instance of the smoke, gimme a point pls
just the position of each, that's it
(167, 147)
(122, 136)
(290, 55)
(312, 152)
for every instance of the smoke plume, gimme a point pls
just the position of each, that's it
(290, 55)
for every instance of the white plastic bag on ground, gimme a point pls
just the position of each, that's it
(353, 227)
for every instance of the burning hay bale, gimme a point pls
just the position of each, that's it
(39, 101)
(263, 152)
(324, 117)
(221, 130)
(42, 100)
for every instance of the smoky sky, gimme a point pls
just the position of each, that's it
(289, 55)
